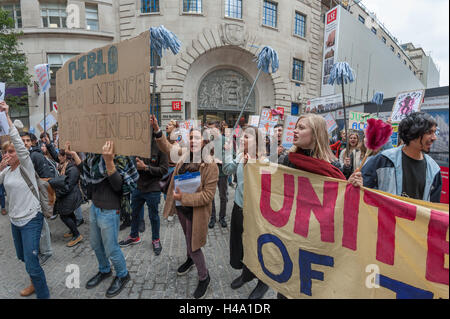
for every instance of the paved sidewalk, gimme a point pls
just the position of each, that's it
(151, 276)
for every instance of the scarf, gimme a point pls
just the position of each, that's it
(315, 165)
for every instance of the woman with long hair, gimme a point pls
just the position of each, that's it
(351, 156)
(312, 153)
(251, 150)
(194, 209)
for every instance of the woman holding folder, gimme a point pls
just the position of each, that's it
(198, 177)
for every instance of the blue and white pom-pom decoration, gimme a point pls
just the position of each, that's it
(378, 98)
(161, 38)
(266, 58)
(339, 70)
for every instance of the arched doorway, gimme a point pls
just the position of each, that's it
(222, 94)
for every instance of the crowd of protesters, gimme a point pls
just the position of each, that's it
(120, 186)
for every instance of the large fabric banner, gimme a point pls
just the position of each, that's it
(105, 95)
(310, 236)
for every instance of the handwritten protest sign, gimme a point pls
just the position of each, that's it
(267, 120)
(331, 123)
(50, 121)
(310, 236)
(43, 76)
(253, 120)
(105, 95)
(288, 131)
(406, 103)
(358, 121)
(4, 126)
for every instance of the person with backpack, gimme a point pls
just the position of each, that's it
(68, 196)
(111, 178)
(23, 207)
(44, 172)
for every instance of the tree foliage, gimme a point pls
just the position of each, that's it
(13, 63)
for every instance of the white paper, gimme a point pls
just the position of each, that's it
(4, 126)
(189, 186)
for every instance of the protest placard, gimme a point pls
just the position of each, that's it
(105, 95)
(406, 103)
(253, 120)
(43, 76)
(50, 121)
(4, 126)
(267, 120)
(358, 121)
(311, 236)
(331, 123)
(288, 131)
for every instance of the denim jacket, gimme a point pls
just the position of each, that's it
(384, 172)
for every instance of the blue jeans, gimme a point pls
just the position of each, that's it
(26, 241)
(104, 234)
(2, 196)
(138, 199)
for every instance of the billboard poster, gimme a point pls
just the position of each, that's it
(330, 48)
(324, 104)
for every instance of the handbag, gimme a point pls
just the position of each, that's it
(165, 182)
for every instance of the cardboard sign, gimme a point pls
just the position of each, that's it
(253, 120)
(288, 131)
(311, 236)
(358, 121)
(105, 95)
(2, 91)
(267, 121)
(50, 121)
(4, 126)
(43, 76)
(331, 123)
(406, 103)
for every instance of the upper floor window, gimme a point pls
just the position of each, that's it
(410, 68)
(270, 13)
(298, 70)
(398, 55)
(233, 9)
(300, 24)
(404, 62)
(92, 17)
(374, 30)
(192, 6)
(14, 13)
(392, 48)
(53, 15)
(149, 6)
(360, 18)
(383, 39)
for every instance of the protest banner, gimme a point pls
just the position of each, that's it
(358, 121)
(267, 120)
(311, 236)
(288, 131)
(50, 121)
(2, 91)
(331, 123)
(105, 95)
(406, 103)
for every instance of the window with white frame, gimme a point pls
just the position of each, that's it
(374, 31)
(14, 13)
(92, 17)
(298, 68)
(300, 24)
(392, 48)
(53, 15)
(233, 9)
(270, 11)
(192, 6)
(398, 55)
(383, 39)
(149, 6)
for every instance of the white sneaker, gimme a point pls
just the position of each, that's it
(170, 218)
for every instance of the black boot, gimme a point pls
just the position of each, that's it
(202, 288)
(239, 282)
(98, 278)
(117, 285)
(212, 222)
(259, 291)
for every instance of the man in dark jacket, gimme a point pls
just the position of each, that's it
(44, 171)
(151, 170)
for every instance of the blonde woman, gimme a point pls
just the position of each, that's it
(350, 157)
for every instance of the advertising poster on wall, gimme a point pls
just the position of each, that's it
(330, 48)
